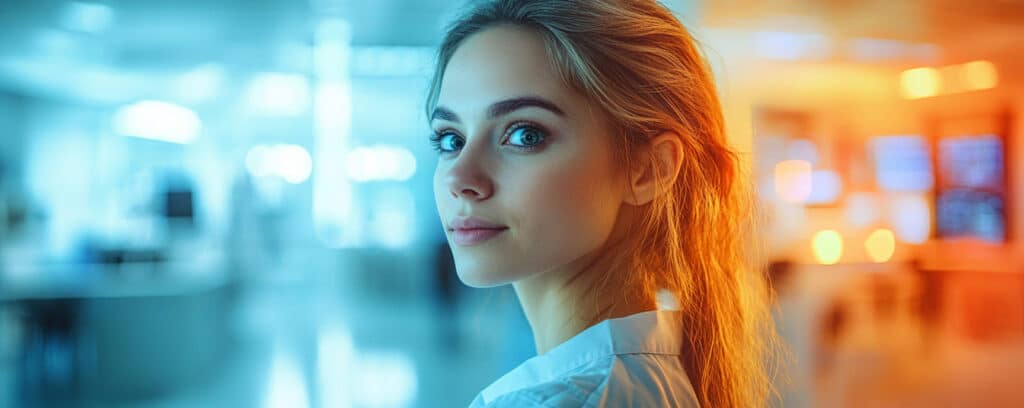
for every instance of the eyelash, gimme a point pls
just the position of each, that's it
(438, 136)
(435, 140)
(515, 126)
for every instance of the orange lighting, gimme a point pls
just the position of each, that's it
(972, 76)
(980, 75)
(881, 244)
(828, 247)
(793, 180)
(920, 83)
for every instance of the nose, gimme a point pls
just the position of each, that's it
(468, 179)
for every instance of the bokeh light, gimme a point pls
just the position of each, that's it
(158, 120)
(920, 82)
(880, 245)
(981, 75)
(291, 163)
(827, 246)
(793, 180)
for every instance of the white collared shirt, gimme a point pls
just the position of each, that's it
(627, 362)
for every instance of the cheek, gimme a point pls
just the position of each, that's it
(567, 211)
(558, 209)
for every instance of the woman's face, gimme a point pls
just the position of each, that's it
(525, 183)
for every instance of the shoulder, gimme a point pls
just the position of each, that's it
(571, 391)
(630, 380)
(648, 380)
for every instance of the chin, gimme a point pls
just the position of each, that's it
(478, 274)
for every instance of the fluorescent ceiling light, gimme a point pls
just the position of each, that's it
(158, 120)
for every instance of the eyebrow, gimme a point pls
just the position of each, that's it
(502, 108)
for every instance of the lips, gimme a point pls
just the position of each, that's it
(468, 231)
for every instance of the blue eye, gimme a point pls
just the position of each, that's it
(447, 142)
(525, 137)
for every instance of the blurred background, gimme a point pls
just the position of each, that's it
(228, 203)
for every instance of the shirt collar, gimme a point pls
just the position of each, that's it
(652, 332)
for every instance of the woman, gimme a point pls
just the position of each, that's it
(583, 160)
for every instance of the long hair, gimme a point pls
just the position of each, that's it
(638, 64)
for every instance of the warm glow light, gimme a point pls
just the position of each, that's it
(950, 79)
(980, 75)
(880, 245)
(828, 247)
(793, 180)
(920, 83)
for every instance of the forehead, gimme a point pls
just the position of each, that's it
(499, 63)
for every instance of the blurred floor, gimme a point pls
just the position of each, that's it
(962, 376)
(304, 336)
(875, 346)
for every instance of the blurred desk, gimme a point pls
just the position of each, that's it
(116, 336)
(979, 288)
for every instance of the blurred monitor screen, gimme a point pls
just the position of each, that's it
(902, 163)
(970, 201)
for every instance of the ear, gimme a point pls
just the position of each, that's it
(654, 173)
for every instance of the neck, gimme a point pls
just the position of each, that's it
(560, 304)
